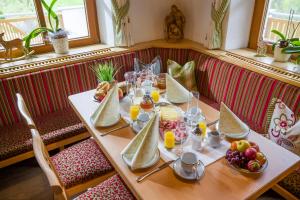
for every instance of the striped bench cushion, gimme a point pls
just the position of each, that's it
(246, 93)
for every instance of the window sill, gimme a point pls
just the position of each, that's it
(286, 72)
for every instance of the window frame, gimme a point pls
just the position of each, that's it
(257, 23)
(92, 23)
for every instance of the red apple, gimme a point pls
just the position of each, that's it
(253, 165)
(250, 153)
(255, 146)
(260, 158)
(242, 145)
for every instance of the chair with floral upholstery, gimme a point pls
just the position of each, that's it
(112, 188)
(78, 167)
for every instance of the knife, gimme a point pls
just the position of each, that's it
(166, 164)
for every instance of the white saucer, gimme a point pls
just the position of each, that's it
(188, 176)
(146, 165)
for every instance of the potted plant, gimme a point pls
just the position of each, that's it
(57, 36)
(105, 74)
(287, 44)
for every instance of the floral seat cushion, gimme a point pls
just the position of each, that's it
(53, 127)
(80, 163)
(111, 189)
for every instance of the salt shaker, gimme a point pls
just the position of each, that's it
(197, 139)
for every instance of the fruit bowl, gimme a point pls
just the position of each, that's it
(243, 170)
(246, 157)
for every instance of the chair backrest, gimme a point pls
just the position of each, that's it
(24, 111)
(43, 158)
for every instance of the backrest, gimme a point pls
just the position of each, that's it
(43, 158)
(247, 93)
(24, 111)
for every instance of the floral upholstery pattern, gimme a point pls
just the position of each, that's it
(281, 131)
(111, 189)
(54, 127)
(80, 163)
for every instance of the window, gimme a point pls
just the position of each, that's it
(78, 17)
(277, 17)
(271, 14)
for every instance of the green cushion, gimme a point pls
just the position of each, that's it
(185, 74)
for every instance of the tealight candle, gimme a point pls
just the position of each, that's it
(155, 95)
(202, 126)
(169, 140)
(134, 112)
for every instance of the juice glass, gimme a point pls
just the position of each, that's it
(155, 96)
(134, 112)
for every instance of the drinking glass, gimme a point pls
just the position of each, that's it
(161, 81)
(193, 111)
(130, 79)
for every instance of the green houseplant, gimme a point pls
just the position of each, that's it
(287, 44)
(105, 71)
(58, 36)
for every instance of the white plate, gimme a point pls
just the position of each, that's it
(172, 101)
(146, 165)
(235, 135)
(179, 171)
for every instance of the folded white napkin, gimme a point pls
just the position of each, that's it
(143, 148)
(108, 112)
(176, 93)
(230, 123)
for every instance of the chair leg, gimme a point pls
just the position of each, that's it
(283, 192)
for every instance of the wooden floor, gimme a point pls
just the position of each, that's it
(26, 181)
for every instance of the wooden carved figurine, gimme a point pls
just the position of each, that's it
(10, 45)
(174, 25)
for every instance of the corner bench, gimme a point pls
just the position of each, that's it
(245, 92)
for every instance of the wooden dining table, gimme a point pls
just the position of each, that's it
(220, 181)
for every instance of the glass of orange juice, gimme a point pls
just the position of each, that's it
(134, 112)
(155, 96)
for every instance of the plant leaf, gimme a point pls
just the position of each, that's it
(52, 14)
(279, 34)
(290, 50)
(34, 33)
(296, 43)
(294, 39)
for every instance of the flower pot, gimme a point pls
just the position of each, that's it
(279, 56)
(61, 45)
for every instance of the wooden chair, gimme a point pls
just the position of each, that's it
(61, 178)
(43, 158)
(24, 111)
(109, 189)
